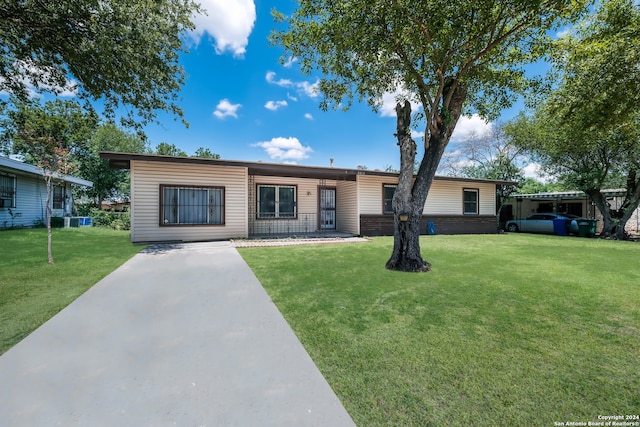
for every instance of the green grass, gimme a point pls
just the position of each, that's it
(32, 291)
(506, 330)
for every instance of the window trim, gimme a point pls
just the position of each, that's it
(477, 192)
(223, 212)
(384, 186)
(12, 204)
(277, 213)
(61, 200)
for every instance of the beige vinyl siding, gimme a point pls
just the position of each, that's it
(146, 178)
(370, 189)
(487, 198)
(306, 204)
(445, 197)
(347, 218)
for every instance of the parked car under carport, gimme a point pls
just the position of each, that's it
(542, 223)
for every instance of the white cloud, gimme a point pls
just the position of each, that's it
(566, 31)
(271, 78)
(226, 109)
(285, 148)
(531, 170)
(229, 22)
(292, 98)
(415, 134)
(304, 87)
(289, 62)
(274, 105)
(534, 170)
(389, 101)
(308, 116)
(466, 126)
(27, 71)
(469, 126)
(309, 89)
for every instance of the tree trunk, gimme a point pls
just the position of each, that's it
(498, 214)
(615, 227)
(48, 216)
(406, 218)
(598, 199)
(629, 205)
(410, 195)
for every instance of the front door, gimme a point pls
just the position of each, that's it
(327, 208)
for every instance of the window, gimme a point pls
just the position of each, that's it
(470, 201)
(276, 201)
(387, 197)
(58, 197)
(191, 205)
(7, 191)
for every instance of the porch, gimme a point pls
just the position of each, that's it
(300, 207)
(304, 225)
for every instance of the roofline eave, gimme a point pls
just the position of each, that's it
(123, 161)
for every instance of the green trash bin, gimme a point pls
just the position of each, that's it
(587, 227)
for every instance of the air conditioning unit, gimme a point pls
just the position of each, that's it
(77, 221)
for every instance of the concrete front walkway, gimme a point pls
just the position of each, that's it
(179, 335)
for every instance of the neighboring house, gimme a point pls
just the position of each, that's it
(23, 194)
(115, 206)
(190, 199)
(567, 202)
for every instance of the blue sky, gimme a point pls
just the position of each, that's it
(244, 105)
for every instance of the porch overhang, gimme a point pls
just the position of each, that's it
(565, 195)
(123, 161)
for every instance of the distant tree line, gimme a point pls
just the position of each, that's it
(61, 132)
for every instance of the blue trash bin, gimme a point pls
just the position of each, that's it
(431, 228)
(560, 226)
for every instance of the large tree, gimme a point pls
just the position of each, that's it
(448, 57)
(587, 129)
(592, 162)
(205, 153)
(107, 182)
(47, 136)
(166, 149)
(489, 155)
(124, 53)
(596, 65)
(65, 120)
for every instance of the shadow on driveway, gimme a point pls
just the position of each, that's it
(181, 334)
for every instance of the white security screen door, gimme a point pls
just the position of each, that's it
(327, 208)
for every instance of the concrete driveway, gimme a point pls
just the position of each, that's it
(179, 335)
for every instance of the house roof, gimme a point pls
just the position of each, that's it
(568, 194)
(14, 165)
(123, 161)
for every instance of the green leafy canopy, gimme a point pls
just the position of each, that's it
(124, 53)
(448, 57)
(366, 48)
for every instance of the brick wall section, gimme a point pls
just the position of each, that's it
(382, 225)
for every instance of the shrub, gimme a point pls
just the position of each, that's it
(115, 220)
(57, 222)
(85, 209)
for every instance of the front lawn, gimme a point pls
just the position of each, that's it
(506, 330)
(32, 291)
